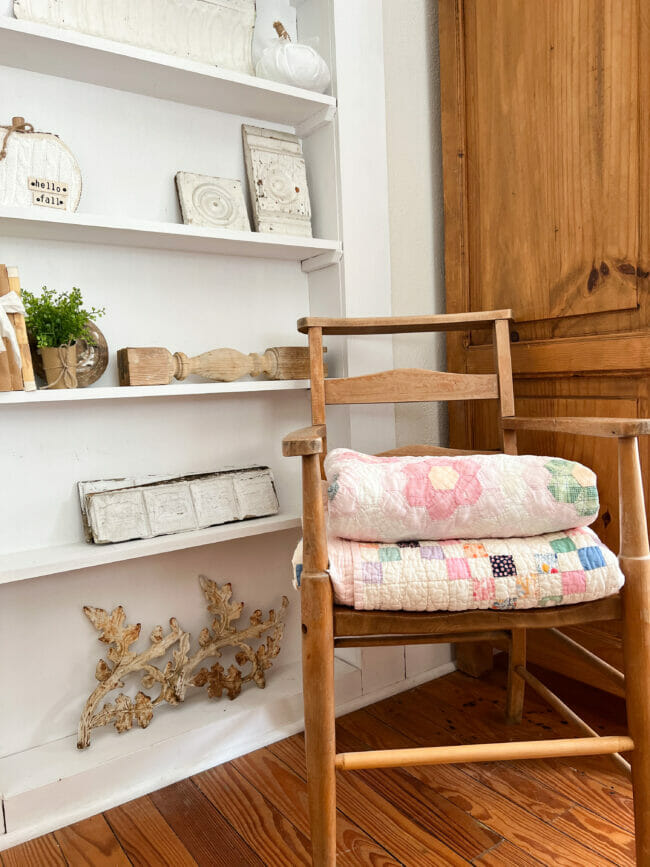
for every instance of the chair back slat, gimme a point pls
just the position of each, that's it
(410, 386)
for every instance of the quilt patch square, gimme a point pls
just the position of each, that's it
(389, 553)
(372, 573)
(483, 589)
(563, 546)
(457, 569)
(591, 557)
(431, 552)
(502, 565)
(546, 563)
(474, 549)
(574, 582)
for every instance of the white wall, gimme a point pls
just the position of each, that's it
(412, 79)
(412, 82)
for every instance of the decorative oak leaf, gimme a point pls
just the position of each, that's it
(102, 671)
(219, 604)
(123, 713)
(143, 711)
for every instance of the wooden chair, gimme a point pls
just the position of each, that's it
(326, 626)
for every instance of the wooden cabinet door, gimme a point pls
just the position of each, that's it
(545, 122)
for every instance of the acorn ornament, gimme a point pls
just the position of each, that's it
(292, 63)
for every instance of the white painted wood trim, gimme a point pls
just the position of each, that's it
(80, 57)
(92, 229)
(22, 565)
(137, 392)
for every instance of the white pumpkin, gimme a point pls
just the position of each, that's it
(291, 63)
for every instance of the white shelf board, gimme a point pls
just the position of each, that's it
(76, 56)
(194, 389)
(91, 229)
(22, 565)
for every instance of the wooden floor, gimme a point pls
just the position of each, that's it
(254, 809)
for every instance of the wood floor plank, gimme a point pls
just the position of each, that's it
(91, 842)
(487, 722)
(420, 803)
(497, 812)
(393, 831)
(287, 790)
(207, 836)
(254, 817)
(564, 811)
(592, 781)
(504, 854)
(41, 852)
(145, 836)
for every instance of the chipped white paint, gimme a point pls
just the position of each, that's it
(218, 32)
(208, 201)
(142, 509)
(277, 181)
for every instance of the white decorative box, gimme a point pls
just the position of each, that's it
(219, 32)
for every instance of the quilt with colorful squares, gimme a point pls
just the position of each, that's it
(559, 568)
(393, 499)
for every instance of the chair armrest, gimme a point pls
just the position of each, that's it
(582, 426)
(306, 441)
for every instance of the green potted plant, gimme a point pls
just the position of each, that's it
(56, 323)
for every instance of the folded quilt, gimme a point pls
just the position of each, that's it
(392, 499)
(560, 568)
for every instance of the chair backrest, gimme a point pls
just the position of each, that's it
(411, 384)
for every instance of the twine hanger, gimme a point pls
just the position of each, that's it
(17, 125)
(281, 30)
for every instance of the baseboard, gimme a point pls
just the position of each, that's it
(55, 785)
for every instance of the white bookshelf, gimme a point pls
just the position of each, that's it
(22, 565)
(138, 392)
(80, 57)
(42, 225)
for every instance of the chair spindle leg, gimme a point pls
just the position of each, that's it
(516, 683)
(635, 562)
(318, 689)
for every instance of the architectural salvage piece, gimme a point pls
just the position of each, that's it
(37, 169)
(117, 510)
(219, 32)
(154, 365)
(208, 201)
(180, 672)
(277, 181)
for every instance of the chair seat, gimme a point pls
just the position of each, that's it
(555, 569)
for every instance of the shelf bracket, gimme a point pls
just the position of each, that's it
(323, 260)
(316, 121)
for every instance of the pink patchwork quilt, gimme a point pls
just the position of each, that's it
(498, 496)
(559, 568)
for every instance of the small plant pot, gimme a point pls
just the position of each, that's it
(60, 365)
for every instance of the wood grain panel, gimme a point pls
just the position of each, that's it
(553, 158)
(410, 386)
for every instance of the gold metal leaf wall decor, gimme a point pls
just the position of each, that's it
(180, 670)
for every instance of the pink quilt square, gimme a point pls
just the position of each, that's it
(574, 582)
(484, 588)
(457, 569)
